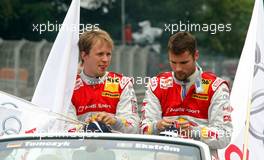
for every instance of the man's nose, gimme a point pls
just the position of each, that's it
(105, 58)
(178, 68)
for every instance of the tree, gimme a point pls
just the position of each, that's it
(18, 17)
(234, 12)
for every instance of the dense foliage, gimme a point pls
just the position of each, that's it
(18, 17)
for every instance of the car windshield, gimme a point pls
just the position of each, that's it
(96, 149)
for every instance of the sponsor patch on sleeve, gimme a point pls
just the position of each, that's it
(124, 82)
(78, 84)
(227, 118)
(134, 106)
(228, 108)
(153, 84)
(165, 83)
(217, 83)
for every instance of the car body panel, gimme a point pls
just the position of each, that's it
(115, 146)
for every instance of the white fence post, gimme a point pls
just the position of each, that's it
(37, 70)
(17, 63)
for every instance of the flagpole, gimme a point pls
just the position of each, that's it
(243, 146)
(250, 89)
(246, 131)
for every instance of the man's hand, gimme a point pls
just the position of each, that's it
(185, 129)
(163, 124)
(106, 118)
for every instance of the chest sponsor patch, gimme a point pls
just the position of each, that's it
(205, 85)
(112, 80)
(111, 85)
(110, 94)
(200, 97)
(88, 108)
(184, 109)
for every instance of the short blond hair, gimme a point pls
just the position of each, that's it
(88, 38)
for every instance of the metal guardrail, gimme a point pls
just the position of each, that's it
(133, 61)
(29, 56)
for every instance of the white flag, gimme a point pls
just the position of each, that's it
(20, 116)
(248, 92)
(56, 83)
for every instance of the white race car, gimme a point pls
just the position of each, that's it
(100, 146)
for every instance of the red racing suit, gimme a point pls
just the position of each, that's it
(208, 112)
(112, 93)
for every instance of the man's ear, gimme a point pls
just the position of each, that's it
(83, 54)
(196, 55)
